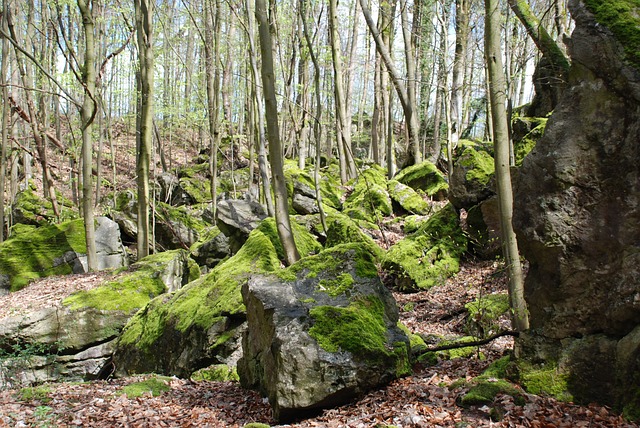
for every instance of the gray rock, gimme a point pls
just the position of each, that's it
(304, 204)
(170, 191)
(109, 249)
(236, 218)
(577, 216)
(323, 338)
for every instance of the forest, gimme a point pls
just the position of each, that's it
(320, 213)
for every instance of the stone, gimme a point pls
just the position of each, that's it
(472, 180)
(304, 204)
(236, 218)
(407, 200)
(577, 216)
(177, 227)
(370, 199)
(212, 251)
(426, 177)
(321, 333)
(170, 190)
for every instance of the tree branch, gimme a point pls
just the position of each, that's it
(471, 344)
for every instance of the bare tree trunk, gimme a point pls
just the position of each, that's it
(87, 115)
(275, 148)
(410, 111)
(144, 25)
(457, 79)
(497, 88)
(5, 116)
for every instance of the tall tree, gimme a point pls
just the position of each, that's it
(276, 158)
(5, 114)
(144, 27)
(497, 96)
(457, 78)
(87, 116)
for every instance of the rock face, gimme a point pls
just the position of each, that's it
(236, 218)
(74, 340)
(321, 333)
(577, 215)
(472, 179)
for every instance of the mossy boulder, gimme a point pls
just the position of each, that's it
(236, 218)
(212, 248)
(428, 256)
(178, 226)
(321, 332)
(406, 200)
(370, 199)
(30, 208)
(483, 228)
(527, 131)
(472, 178)
(342, 230)
(302, 182)
(201, 323)
(425, 176)
(57, 249)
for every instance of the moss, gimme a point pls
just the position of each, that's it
(544, 380)
(369, 200)
(524, 145)
(479, 165)
(206, 301)
(360, 329)
(256, 425)
(622, 17)
(331, 262)
(35, 393)
(485, 390)
(36, 253)
(430, 255)
(408, 198)
(217, 372)
(330, 189)
(154, 385)
(306, 243)
(341, 229)
(424, 176)
(181, 215)
(416, 343)
(132, 290)
(414, 222)
(485, 311)
(198, 189)
(30, 208)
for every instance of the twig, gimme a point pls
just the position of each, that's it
(474, 343)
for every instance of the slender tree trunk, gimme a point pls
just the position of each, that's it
(275, 148)
(409, 110)
(87, 115)
(144, 25)
(5, 116)
(497, 88)
(457, 78)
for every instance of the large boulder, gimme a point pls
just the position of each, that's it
(578, 218)
(236, 218)
(170, 191)
(201, 324)
(425, 176)
(75, 339)
(178, 227)
(428, 256)
(370, 199)
(472, 178)
(321, 333)
(36, 252)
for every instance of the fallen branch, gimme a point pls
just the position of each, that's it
(474, 343)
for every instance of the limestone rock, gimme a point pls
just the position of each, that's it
(322, 333)
(472, 178)
(577, 215)
(236, 218)
(426, 177)
(407, 199)
(170, 190)
(304, 204)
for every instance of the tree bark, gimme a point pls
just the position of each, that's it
(497, 90)
(144, 26)
(87, 116)
(273, 132)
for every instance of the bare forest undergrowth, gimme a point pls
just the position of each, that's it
(424, 399)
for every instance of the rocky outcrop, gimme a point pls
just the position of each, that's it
(57, 249)
(321, 333)
(425, 176)
(472, 178)
(236, 218)
(75, 339)
(577, 215)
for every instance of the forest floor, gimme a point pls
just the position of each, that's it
(427, 398)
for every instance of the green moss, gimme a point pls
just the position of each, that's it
(155, 386)
(408, 198)
(206, 301)
(35, 393)
(416, 342)
(217, 373)
(182, 215)
(32, 209)
(335, 287)
(199, 189)
(341, 230)
(369, 200)
(36, 253)
(485, 390)
(414, 222)
(330, 189)
(479, 164)
(306, 243)
(622, 17)
(430, 255)
(485, 311)
(544, 380)
(132, 290)
(452, 354)
(524, 146)
(424, 176)
(360, 329)
(257, 425)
